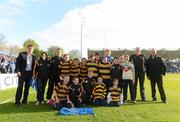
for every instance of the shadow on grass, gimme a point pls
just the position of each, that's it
(8, 108)
(140, 102)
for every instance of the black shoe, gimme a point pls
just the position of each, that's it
(25, 102)
(17, 104)
(154, 100)
(143, 100)
(164, 101)
(133, 101)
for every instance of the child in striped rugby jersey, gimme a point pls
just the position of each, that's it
(83, 70)
(92, 65)
(105, 72)
(75, 68)
(64, 66)
(99, 92)
(115, 93)
(61, 94)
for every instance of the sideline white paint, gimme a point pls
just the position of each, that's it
(8, 100)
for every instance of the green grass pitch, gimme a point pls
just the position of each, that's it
(141, 112)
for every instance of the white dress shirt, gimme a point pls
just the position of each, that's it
(29, 62)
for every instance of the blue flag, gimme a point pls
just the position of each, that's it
(33, 84)
(76, 111)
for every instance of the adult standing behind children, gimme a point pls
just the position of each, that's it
(139, 60)
(54, 75)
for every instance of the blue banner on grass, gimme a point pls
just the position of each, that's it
(76, 111)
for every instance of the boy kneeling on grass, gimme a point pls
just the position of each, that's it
(61, 94)
(75, 92)
(99, 92)
(88, 86)
(115, 97)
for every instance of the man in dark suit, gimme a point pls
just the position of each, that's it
(155, 70)
(24, 68)
(139, 59)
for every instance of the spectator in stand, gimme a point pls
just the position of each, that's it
(4, 64)
(12, 65)
(7, 63)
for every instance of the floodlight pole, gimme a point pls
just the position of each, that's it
(81, 38)
(82, 23)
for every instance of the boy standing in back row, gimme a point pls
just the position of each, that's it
(128, 77)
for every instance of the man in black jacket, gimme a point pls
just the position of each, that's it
(138, 59)
(54, 73)
(24, 68)
(155, 70)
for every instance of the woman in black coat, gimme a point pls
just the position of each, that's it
(41, 74)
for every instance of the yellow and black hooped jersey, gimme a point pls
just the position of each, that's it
(65, 68)
(93, 66)
(62, 91)
(75, 70)
(83, 72)
(115, 93)
(104, 71)
(99, 91)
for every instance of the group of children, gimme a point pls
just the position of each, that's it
(89, 92)
(93, 81)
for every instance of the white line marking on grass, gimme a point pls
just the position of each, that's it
(8, 100)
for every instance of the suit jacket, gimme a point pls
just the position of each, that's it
(155, 67)
(21, 62)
